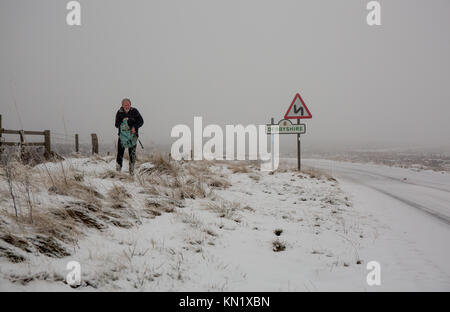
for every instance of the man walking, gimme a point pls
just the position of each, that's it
(128, 121)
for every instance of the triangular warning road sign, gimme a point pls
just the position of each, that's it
(297, 109)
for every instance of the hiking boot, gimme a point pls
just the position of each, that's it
(118, 168)
(131, 169)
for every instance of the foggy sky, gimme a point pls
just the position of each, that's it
(231, 62)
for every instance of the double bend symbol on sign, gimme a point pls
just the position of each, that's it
(297, 109)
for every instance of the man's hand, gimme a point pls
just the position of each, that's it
(133, 130)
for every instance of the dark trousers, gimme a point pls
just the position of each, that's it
(121, 151)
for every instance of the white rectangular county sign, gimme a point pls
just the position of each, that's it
(286, 127)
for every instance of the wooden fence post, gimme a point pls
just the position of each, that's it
(94, 143)
(76, 143)
(21, 144)
(48, 151)
(1, 128)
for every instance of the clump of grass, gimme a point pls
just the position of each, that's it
(255, 177)
(190, 219)
(112, 174)
(11, 255)
(42, 276)
(217, 182)
(278, 246)
(316, 173)
(118, 193)
(201, 171)
(65, 182)
(239, 168)
(49, 246)
(16, 241)
(278, 232)
(192, 189)
(161, 165)
(48, 230)
(283, 168)
(224, 208)
(79, 215)
(247, 207)
(210, 232)
(46, 223)
(157, 206)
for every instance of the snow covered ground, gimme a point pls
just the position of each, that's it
(414, 208)
(239, 230)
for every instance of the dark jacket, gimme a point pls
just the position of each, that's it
(134, 119)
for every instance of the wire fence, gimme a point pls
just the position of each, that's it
(62, 143)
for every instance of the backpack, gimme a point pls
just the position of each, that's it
(127, 139)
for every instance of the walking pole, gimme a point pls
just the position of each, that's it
(141, 144)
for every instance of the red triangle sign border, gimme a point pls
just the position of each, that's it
(309, 115)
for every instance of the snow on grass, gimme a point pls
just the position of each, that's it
(188, 226)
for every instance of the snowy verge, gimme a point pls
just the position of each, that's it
(190, 226)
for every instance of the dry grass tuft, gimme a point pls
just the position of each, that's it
(190, 219)
(278, 232)
(48, 229)
(316, 173)
(161, 164)
(239, 168)
(16, 241)
(51, 229)
(118, 193)
(11, 255)
(49, 246)
(217, 182)
(78, 215)
(224, 208)
(41, 276)
(118, 175)
(278, 246)
(192, 189)
(156, 206)
(255, 177)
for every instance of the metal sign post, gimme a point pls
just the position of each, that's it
(285, 126)
(298, 110)
(272, 146)
(299, 159)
